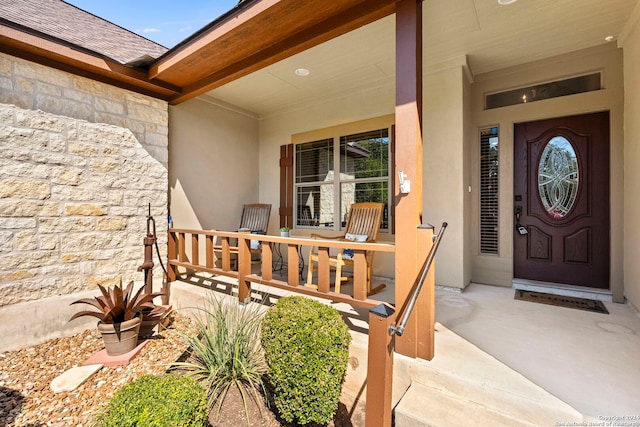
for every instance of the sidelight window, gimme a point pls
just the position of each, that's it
(489, 190)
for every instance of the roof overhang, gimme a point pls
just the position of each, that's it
(251, 36)
(260, 35)
(40, 48)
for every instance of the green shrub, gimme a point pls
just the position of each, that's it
(306, 345)
(156, 401)
(227, 352)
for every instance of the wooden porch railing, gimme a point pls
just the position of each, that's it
(186, 247)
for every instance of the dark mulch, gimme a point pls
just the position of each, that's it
(261, 415)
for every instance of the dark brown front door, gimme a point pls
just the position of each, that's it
(561, 190)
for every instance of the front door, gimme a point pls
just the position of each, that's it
(561, 200)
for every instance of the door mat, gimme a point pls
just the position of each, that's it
(562, 301)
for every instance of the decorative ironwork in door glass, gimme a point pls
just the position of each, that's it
(558, 177)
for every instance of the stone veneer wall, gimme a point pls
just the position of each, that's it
(79, 163)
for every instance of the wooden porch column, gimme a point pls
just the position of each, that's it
(172, 254)
(380, 367)
(408, 159)
(244, 267)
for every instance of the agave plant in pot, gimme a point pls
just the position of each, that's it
(119, 313)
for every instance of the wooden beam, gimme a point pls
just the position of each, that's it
(76, 61)
(286, 45)
(408, 159)
(193, 50)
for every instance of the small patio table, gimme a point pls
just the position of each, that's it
(279, 263)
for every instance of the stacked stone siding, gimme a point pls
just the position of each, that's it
(35, 87)
(79, 163)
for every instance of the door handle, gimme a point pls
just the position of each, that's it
(522, 230)
(517, 211)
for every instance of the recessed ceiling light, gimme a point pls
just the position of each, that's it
(610, 38)
(506, 2)
(302, 72)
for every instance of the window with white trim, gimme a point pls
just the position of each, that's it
(333, 173)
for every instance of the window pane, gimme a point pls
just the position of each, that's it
(542, 91)
(365, 155)
(356, 192)
(315, 206)
(558, 177)
(489, 180)
(314, 161)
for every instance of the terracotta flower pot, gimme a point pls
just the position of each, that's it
(147, 327)
(120, 338)
(149, 322)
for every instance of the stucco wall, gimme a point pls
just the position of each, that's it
(80, 162)
(445, 189)
(498, 270)
(214, 165)
(631, 47)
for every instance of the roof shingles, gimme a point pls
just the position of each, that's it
(66, 22)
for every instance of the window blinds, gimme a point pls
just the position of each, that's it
(489, 191)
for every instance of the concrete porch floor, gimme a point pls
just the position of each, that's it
(589, 360)
(498, 361)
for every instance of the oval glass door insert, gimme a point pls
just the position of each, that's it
(558, 177)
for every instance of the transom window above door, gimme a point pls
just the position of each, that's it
(333, 173)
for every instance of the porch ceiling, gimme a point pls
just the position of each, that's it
(488, 35)
(247, 57)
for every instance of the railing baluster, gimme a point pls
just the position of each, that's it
(292, 262)
(171, 254)
(359, 274)
(182, 256)
(267, 258)
(209, 256)
(226, 254)
(324, 272)
(195, 250)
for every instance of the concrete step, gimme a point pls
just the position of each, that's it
(450, 401)
(463, 385)
(427, 406)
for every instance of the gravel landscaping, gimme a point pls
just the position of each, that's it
(27, 400)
